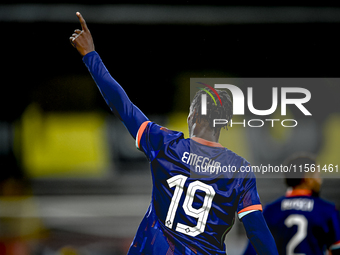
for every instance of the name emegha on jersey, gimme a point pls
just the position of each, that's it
(301, 204)
(201, 163)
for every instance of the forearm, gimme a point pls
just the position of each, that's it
(259, 234)
(114, 95)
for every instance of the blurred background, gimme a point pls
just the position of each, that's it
(72, 181)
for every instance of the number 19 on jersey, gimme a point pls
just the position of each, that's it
(201, 214)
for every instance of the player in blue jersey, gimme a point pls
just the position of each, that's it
(191, 210)
(301, 222)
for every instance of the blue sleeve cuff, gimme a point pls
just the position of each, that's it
(88, 56)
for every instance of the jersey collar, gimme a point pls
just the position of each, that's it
(298, 192)
(206, 142)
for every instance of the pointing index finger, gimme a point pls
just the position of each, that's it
(82, 21)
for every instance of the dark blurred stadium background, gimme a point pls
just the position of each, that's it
(71, 179)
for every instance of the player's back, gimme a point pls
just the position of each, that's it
(197, 188)
(301, 223)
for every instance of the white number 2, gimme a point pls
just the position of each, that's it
(302, 223)
(201, 214)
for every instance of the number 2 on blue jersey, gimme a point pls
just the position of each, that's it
(301, 222)
(201, 214)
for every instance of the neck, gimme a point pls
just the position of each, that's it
(302, 186)
(205, 132)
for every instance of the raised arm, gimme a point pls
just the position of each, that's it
(259, 234)
(113, 93)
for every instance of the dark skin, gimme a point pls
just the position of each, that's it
(82, 40)
(201, 129)
(311, 181)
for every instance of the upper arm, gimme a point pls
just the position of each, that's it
(249, 200)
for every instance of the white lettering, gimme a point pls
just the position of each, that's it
(262, 112)
(301, 204)
(262, 123)
(185, 157)
(298, 102)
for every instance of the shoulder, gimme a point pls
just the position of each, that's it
(155, 135)
(326, 205)
(273, 212)
(167, 134)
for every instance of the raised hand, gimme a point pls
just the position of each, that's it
(82, 39)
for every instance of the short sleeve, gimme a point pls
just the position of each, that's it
(151, 138)
(249, 200)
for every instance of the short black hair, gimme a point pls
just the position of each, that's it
(296, 163)
(214, 111)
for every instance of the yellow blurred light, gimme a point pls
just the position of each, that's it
(63, 144)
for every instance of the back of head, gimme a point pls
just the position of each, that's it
(215, 110)
(297, 163)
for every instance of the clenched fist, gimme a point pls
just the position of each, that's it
(82, 39)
